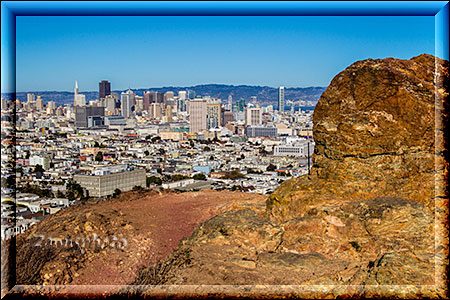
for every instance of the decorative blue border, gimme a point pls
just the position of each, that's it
(11, 9)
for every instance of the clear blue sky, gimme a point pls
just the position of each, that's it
(140, 52)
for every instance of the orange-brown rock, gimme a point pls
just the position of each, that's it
(375, 133)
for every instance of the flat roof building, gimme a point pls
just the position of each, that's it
(105, 184)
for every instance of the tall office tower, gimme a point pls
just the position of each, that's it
(253, 99)
(147, 100)
(191, 94)
(155, 111)
(51, 104)
(169, 113)
(230, 102)
(281, 99)
(240, 104)
(197, 115)
(167, 96)
(139, 107)
(104, 89)
(214, 114)
(30, 98)
(253, 115)
(125, 107)
(78, 99)
(182, 95)
(110, 105)
(181, 104)
(158, 97)
(39, 103)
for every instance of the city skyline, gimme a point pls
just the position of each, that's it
(185, 51)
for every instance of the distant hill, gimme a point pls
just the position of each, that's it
(264, 94)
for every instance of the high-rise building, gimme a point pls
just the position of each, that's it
(240, 104)
(125, 107)
(168, 95)
(78, 99)
(39, 103)
(213, 114)
(30, 98)
(155, 110)
(139, 107)
(228, 116)
(191, 94)
(169, 113)
(51, 104)
(132, 98)
(147, 100)
(197, 115)
(281, 99)
(110, 104)
(182, 95)
(83, 113)
(230, 102)
(104, 89)
(253, 115)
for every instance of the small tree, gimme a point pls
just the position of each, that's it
(199, 176)
(99, 156)
(146, 153)
(116, 193)
(271, 168)
(137, 188)
(153, 180)
(38, 169)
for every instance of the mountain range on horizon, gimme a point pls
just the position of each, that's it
(264, 94)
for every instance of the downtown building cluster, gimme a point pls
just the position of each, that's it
(123, 141)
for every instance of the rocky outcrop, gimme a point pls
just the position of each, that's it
(381, 241)
(376, 135)
(369, 217)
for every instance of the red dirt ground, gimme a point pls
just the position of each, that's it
(155, 225)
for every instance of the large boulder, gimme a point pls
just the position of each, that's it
(377, 134)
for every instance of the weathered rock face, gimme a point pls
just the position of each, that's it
(374, 129)
(362, 223)
(369, 242)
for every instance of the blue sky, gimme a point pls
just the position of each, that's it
(140, 52)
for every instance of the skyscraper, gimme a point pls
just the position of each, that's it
(214, 114)
(39, 103)
(104, 89)
(197, 115)
(78, 99)
(281, 99)
(147, 100)
(230, 102)
(30, 98)
(125, 101)
(253, 115)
